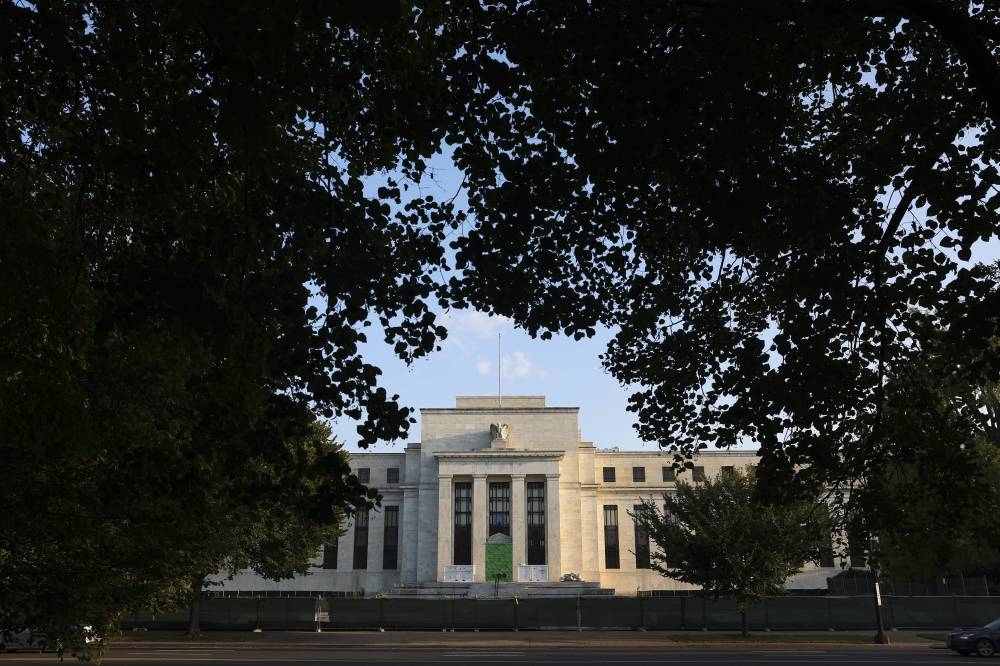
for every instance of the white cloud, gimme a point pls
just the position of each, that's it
(484, 367)
(474, 322)
(517, 364)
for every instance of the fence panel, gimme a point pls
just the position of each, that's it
(663, 612)
(976, 611)
(355, 613)
(554, 613)
(798, 613)
(610, 612)
(414, 613)
(484, 614)
(215, 613)
(722, 614)
(852, 612)
(918, 612)
(171, 620)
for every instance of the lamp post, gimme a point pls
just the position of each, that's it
(880, 636)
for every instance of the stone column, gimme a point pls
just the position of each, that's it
(518, 521)
(552, 535)
(408, 538)
(445, 524)
(480, 522)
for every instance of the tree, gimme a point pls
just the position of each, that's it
(188, 265)
(270, 517)
(718, 535)
(765, 200)
(933, 504)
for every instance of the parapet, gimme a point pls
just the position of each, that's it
(493, 402)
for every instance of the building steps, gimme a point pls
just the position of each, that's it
(437, 590)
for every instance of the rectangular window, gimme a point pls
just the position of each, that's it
(364, 474)
(669, 474)
(499, 508)
(609, 475)
(392, 475)
(361, 541)
(536, 522)
(856, 540)
(641, 541)
(728, 469)
(462, 553)
(698, 474)
(826, 558)
(638, 474)
(390, 541)
(611, 560)
(330, 553)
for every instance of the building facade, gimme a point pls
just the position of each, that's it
(504, 487)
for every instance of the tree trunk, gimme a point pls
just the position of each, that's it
(743, 622)
(194, 612)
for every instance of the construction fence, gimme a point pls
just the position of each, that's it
(651, 613)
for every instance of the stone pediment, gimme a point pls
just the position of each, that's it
(499, 538)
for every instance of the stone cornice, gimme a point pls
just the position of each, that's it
(495, 410)
(667, 454)
(498, 454)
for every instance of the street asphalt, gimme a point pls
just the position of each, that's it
(597, 647)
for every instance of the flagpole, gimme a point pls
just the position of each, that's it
(499, 373)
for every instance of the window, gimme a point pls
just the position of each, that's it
(330, 553)
(826, 554)
(611, 560)
(392, 475)
(462, 553)
(856, 541)
(609, 475)
(669, 474)
(361, 541)
(390, 542)
(641, 541)
(638, 474)
(728, 469)
(364, 474)
(698, 474)
(499, 508)
(536, 522)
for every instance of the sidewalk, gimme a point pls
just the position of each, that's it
(636, 640)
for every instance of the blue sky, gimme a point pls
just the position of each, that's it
(567, 372)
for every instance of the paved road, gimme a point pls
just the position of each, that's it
(257, 655)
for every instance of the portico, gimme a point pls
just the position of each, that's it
(515, 502)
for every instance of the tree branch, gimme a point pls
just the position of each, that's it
(967, 36)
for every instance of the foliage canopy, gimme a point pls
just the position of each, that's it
(188, 265)
(718, 535)
(772, 203)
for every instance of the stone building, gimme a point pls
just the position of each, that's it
(503, 487)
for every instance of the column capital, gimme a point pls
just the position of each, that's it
(445, 477)
(479, 476)
(553, 476)
(517, 476)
